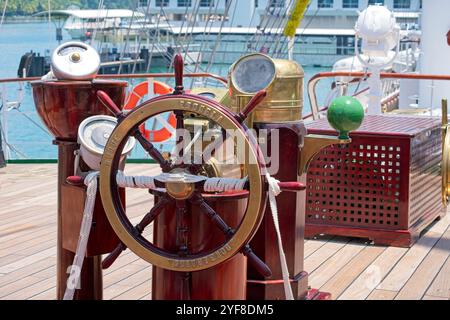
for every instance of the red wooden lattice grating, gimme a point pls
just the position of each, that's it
(388, 178)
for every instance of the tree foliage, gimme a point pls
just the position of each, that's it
(22, 7)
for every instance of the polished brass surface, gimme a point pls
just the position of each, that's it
(446, 168)
(250, 221)
(284, 100)
(220, 95)
(180, 190)
(313, 144)
(445, 154)
(75, 57)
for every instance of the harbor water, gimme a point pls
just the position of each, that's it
(27, 137)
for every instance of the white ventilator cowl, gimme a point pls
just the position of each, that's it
(377, 28)
(93, 134)
(75, 61)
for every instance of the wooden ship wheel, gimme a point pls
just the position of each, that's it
(184, 185)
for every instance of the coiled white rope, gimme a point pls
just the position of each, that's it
(75, 269)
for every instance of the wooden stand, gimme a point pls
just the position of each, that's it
(62, 106)
(292, 224)
(91, 286)
(224, 282)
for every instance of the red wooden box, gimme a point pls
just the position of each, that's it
(385, 185)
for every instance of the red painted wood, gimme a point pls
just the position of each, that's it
(178, 66)
(291, 186)
(75, 181)
(109, 103)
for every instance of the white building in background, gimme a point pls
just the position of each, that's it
(338, 14)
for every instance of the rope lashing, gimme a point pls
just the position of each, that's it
(138, 182)
(296, 16)
(224, 184)
(90, 181)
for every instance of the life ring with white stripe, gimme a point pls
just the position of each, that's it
(169, 125)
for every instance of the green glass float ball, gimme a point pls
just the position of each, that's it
(345, 114)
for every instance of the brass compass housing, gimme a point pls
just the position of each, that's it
(282, 80)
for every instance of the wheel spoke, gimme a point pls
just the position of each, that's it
(198, 200)
(259, 265)
(152, 151)
(140, 227)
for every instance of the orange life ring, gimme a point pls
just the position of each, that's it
(136, 95)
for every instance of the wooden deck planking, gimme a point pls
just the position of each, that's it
(348, 268)
(423, 276)
(412, 259)
(367, 281)
(441, 284)
(356, 266)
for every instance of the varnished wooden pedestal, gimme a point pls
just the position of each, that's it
(226, 281)
(102, 238)
(291, 209)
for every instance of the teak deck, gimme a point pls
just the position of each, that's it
(347, 268)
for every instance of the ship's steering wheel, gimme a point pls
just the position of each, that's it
(183, 184)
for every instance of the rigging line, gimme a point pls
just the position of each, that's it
(176, 42)
(49, 18)
(97, 22)
(100, 45)
(219, 35)
(192, 31)
(273, 29)
(254, 38)
(33, 121)
(268, 20)
(156, 30)
(280, 26)
(204, 38)
(3, 13)
(10, 146)
(225, 46)
(285, 44)
(250, 25)
(136, 3)
(141, 31)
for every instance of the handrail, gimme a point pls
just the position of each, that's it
(132, 76)
(312, 84)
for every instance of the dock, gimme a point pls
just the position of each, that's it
(348, 268)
